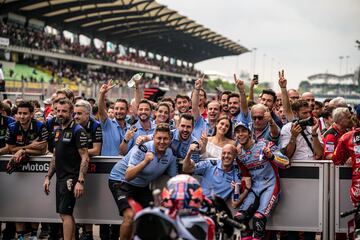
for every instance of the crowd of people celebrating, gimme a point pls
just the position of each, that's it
(237, 138)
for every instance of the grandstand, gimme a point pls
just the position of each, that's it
(144, 36)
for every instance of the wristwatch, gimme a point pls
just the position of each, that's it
(81, 181)
(126, 141)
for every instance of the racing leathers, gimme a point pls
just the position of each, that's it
(349, 146)
(265, 185)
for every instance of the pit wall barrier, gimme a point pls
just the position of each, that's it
(313, 193)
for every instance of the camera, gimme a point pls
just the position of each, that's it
(305, 122)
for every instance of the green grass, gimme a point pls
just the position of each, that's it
(26, 71)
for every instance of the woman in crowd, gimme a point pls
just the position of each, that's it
(162, 113)
(222, 136)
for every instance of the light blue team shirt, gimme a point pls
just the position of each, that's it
(112, 137)
(180, 148)
(157, 167)
(214, 179)
(140, 131)
(200, 126)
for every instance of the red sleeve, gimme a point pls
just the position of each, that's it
(341, 153)
(243, 169)
(329, 145)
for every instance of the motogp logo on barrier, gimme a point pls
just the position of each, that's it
(35, 167)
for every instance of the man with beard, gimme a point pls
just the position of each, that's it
(143, 126)
(130, 178)
(238, 102)
(224, 101)
(70, 161)
(113, 130)
(182, 104)
(201, 125)
(268, 99)
(93, 130)
(181, 137)
(262, 160)
(25, 137)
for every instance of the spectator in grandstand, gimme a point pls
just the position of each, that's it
(70, 161)
(224, 101)
(309, 97)
(222, 136)
(131, 176)
(26, 137)
(264, 126)
(342, 123)
(220, 175)
(113, 130)
(301, 141)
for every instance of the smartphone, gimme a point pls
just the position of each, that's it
(256, 78)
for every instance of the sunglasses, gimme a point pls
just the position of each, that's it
(257, 118)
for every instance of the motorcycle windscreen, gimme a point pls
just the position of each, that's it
(150, 227)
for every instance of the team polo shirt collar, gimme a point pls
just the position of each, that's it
(138, 126)
(218, 166)
(177, 137)
(71, 125)
(263, 133)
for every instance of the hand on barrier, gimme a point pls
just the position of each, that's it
(19, 159)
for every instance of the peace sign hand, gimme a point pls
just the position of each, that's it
(106, 87)
(282, 80)
(239, 84)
